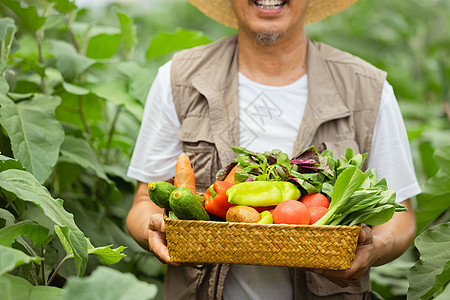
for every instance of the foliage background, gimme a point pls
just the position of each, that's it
(85, 73)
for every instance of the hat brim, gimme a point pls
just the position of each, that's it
(222, 11)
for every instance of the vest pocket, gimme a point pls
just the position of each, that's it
(320, 286)
(198, 144)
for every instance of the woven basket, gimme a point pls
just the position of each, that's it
(323, 247)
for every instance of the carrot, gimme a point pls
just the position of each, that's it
(230, 176)
(184, 174)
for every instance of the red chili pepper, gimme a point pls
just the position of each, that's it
(218, 204)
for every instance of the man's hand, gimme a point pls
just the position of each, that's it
(364, 258)
(145, 224)
(377, 246)
(157, 239)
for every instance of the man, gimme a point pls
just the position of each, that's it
(270, 87)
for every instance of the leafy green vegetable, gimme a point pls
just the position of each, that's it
(357, 199)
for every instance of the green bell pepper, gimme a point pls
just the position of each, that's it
(262, 193)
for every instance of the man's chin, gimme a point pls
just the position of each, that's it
(268, 37)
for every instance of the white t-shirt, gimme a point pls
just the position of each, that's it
(270, 117)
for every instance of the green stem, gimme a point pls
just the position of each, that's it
(43, 267)
(112, 130)
(82, 117)
(57, 269)
(39, 37)
(71, 33)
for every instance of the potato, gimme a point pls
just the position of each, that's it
(242, 213)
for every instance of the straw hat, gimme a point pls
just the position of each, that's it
(222, 12)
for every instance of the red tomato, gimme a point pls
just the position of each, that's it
(316, 199)
(315, 213)
(291, 212)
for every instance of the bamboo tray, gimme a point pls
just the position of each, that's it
(303, 246)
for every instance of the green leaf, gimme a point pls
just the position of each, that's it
(75, 89)
(108, 256)
(435, 197)
(106, 283)
(4, 86)
(116, 91)
(11, 258)
(7, 32)
(7, 216)
(103, 46)
(78, 151)
(432, 270)
(138, 77)
(27, 188)
(9, 163)
(17, 288)
(129, 38)
(165, 43)
(34, 132)
(69, 62)
(36, 233)
(64, 6)
(28, 14)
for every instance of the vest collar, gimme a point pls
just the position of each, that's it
(324, 102)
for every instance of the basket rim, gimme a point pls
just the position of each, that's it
(226, 223)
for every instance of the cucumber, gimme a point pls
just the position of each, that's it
(159, 192)
(186, 206)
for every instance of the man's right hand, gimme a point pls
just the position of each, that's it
(145, 224)
(157, 239)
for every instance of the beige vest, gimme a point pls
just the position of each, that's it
(343, 99)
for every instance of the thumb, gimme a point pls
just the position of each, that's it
(365, 235)
(157, 223)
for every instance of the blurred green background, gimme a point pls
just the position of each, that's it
(99, 59)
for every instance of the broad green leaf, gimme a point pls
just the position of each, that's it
(103, 46)
(7, 32)
(435, 197)
(11, 258)
(106, 283)
(432, 270)
(75, 89)
(9, 163)
(69, 62)
(28, 14)
(115, 90)
(166, 43)
(106, 255)
(139, 79)
(7, 216)
(64, 6)
(347, 183)
(4, 86)
(445, 294)
(27, 188)
(34, 132)
(129, 38)
(78, 151)
(17, 288)
(36, 233)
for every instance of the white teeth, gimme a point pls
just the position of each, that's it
(269, 4)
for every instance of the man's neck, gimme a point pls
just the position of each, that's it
(280, 64)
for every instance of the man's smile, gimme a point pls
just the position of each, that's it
(269, 5)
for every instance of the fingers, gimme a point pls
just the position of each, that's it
(363, 257)
(157, 239)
